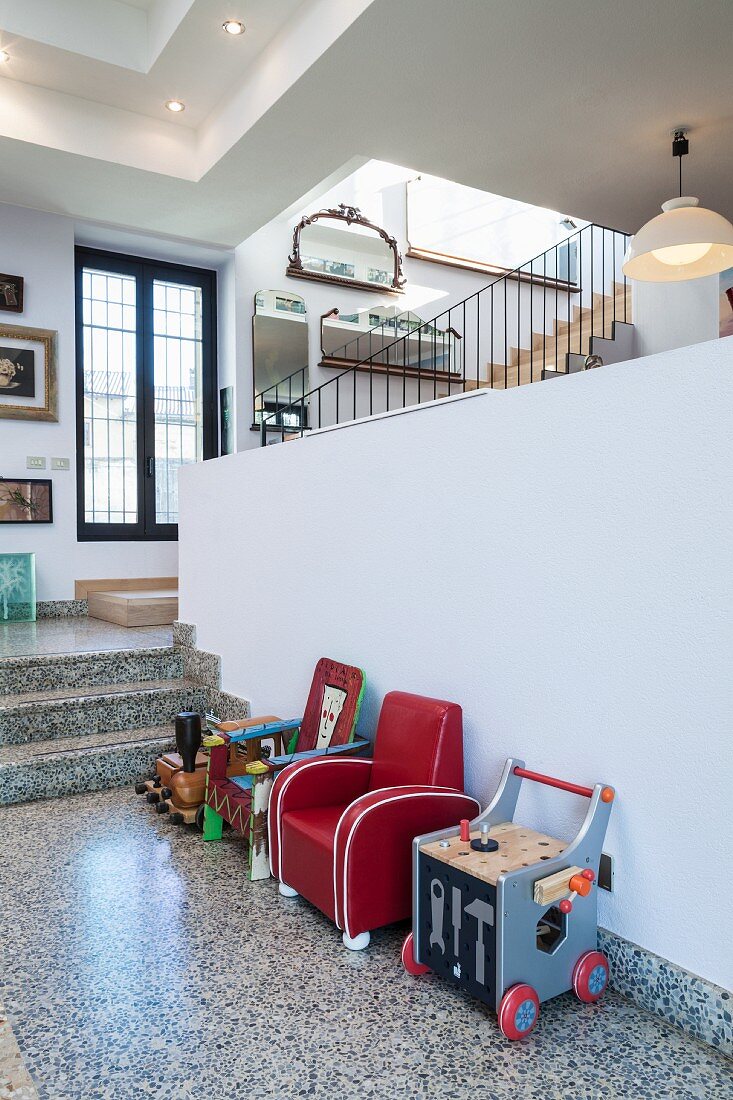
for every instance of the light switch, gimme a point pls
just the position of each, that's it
(59, 464)
(35, 462)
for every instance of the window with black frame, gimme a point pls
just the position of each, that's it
(146, 386)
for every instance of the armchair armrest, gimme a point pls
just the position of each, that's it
(323, 781)
(372, 850)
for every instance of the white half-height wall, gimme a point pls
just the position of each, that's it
(556, 559)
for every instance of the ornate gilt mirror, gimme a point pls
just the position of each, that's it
(341, 246)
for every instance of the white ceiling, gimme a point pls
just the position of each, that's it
(197, 63)
(567, 105)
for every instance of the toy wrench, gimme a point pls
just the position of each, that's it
(437, 897)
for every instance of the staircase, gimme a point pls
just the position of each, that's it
(564, 349)
(87, 721)
(537, 322)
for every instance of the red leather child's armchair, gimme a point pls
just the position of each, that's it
(340, 831)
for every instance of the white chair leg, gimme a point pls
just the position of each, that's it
(358, 943)
(287, 891)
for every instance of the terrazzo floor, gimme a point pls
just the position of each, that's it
(138, 961)
(77, 635)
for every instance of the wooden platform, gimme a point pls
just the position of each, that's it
(122, 584)
(154, 607)
(518, 847)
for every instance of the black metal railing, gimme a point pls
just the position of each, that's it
(378, 333)
(536, 322)
(278, 407)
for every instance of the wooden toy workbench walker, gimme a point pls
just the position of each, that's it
(508, 913)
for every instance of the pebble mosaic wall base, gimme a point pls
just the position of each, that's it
(697, 1006)
(60, 609)
(15, 1080)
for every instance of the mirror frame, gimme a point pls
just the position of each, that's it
(352, 215)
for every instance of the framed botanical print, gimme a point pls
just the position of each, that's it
(11, 293)
(28, 386)
(26, 500)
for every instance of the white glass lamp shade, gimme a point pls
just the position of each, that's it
(685, 242)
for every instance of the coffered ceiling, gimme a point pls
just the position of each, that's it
(567, 104)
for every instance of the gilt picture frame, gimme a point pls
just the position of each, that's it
(28, 373)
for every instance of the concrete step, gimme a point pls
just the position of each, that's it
(91, 762)
(64, 712)
(83, 670)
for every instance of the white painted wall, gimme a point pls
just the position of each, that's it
(556, 559)
(674, 315)
(41, 248)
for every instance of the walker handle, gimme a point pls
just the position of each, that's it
(561, 784)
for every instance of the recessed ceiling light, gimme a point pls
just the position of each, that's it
(175, 106)
(4, 56)
(233, 26)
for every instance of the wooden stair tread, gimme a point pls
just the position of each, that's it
(130, 608)
(153, 594)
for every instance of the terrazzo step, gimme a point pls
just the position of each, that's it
(57, 713)
(93, 762)
(83, 670)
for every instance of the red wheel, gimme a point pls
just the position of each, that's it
(519, 1011)
(590, 977)
(411, 965)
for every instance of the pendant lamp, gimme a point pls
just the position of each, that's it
(686, 241)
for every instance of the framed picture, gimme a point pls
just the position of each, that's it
(28, 387)
(26, 500)
(11, 293)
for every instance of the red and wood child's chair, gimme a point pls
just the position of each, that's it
(326, 729)
(341, 831)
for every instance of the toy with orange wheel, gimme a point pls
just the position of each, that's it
(507, 913)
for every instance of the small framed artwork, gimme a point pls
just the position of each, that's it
(11, 293)
(26, 500)
(28, 386)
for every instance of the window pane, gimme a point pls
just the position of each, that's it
(110, 398)
(177, 380)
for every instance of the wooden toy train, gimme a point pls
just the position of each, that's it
(511, 917)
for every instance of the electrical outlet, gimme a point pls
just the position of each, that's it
(35, 462)
(59, 464)
(605, 872)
